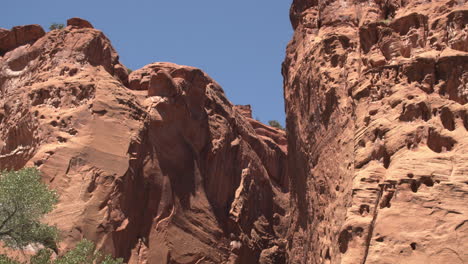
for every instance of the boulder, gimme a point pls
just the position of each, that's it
(18, 36)
(79, 23)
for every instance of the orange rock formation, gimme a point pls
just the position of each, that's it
(158, 169)
(376, 95)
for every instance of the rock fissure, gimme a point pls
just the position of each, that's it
(372, 224)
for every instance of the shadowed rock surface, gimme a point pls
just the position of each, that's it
(165, 170)
(376, 97)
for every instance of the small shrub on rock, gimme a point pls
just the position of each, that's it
(276, 124)
(55, 26)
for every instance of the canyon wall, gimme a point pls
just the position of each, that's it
(157, 166)
(377, 117)
(154, 167)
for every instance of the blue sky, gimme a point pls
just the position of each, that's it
(240, 44)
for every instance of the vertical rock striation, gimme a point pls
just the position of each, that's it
(376, 98)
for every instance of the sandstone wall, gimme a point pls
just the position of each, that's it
(376, 99)
(158, 167)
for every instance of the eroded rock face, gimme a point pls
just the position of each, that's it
(376, 98)
(168, 171)
(17, 36)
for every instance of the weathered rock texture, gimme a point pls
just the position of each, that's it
(168, 171)
(17, 36)
(376, 98)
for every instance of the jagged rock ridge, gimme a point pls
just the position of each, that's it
(155, 167)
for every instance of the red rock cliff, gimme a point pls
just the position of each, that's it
(155, 167)
(377, 117)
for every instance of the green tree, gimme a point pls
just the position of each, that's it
(24, 200)
(85, 252)
(42, 257)
(276, 124)
(81, 254)
(54, 26)
(5, 260)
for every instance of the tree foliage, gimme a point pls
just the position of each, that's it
(276, 124)
(24, 200)
(84, 253)
(5, 260)
(42, 257)
(54, 26)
